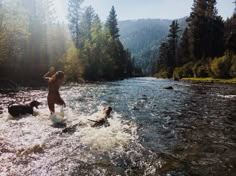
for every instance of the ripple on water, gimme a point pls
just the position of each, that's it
(189, 130)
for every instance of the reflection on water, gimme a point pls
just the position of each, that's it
(186, 131)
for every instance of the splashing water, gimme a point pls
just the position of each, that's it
(153, 131)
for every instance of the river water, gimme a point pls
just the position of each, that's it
(189, 130)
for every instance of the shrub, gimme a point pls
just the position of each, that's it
(201, 69)
(184, 71)
(187, 70)
(164, 72)
(178, 73)
(220, 67)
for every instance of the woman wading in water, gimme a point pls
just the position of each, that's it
(54, 83)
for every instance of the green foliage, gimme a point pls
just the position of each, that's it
(230, 34)
(73, 66)
(206, 30)
(164, 72)
(185, 71)
(13, 31)
(102, 55)
(112, 23)
(74, 17)
(200, 69)
(183, 51)
(31, 40)
(167, 53)
(220, 67)
(203, 40)
(212, 80)
(172, 43)
(232, 71)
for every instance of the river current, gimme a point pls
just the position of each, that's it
(189, 130)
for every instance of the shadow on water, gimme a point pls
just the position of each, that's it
(189, 130)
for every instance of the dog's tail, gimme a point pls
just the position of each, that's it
(92, 120)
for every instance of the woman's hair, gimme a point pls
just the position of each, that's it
(57, 76)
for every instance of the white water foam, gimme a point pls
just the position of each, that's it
(33, 139)
(227, 96)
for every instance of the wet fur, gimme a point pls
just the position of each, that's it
(100, 123)
(17, 110)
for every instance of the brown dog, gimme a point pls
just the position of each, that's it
(17, 110)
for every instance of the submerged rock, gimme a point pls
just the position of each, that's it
(169, 88)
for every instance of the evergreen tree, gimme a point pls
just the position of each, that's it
(74, 14)
(168, 49)
(183, 49)
(163, 54)
(197, 29)
(172, 43)
(205, 30)
(86, 24)
(13, 35)
(116, 49)
(112, 24)
(230, 33)
(215, 31)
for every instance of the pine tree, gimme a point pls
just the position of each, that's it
(163, 55)
(116, 49)
(197, 29)
(86, 24)
(74, 14)
(183, 49)
(230, 33)
(205, 30)
(112, 24)
(215, 32)
(172, 43)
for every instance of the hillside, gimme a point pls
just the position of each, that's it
(143, 37)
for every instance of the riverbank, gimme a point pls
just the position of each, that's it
(211, 80)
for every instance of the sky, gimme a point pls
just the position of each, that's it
(136, 9)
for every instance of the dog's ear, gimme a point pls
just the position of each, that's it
(37, 104)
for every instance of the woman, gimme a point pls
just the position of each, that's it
(54, 83)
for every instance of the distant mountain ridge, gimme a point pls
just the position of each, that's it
(143, 37)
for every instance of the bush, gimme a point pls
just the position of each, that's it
(178, 73)
(220, 67)
(184, 71)
(164, 72)
(201, 69)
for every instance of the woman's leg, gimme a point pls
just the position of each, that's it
(51, 105)
(60, 101)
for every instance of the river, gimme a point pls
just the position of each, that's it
(189, 130)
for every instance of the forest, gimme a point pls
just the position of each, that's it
(32, 39)
(206, 48)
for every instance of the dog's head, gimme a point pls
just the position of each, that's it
(35, 104)
(107, 110)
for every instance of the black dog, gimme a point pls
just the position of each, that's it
(17, 110)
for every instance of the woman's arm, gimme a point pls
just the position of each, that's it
(51, 69)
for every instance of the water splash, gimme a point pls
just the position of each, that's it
(187, 131)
